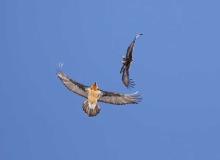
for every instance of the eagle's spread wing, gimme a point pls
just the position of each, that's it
(118, 98)
(72, 85)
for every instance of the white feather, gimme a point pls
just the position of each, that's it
(92, 105)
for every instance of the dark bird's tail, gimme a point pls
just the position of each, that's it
(90, 110)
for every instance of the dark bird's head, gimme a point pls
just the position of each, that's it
(138, 35)
(94, 86)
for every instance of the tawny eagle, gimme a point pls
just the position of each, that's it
(126, 63)
(94, 95)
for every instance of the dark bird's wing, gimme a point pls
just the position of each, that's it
(119, 99)
(130, 50)
(72, 85)
(127, 62)
(126, 80)
(126, 66)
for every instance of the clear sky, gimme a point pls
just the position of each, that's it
(176, 69)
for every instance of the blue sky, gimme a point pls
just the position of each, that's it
(176, 70)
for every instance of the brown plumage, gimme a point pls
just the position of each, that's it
(126, 63)
(94, 95)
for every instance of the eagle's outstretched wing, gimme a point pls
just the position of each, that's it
(119, 99)
(72, 85)
(127, 62)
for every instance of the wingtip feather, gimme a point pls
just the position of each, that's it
(130, 84)
(59, 67)
(135, 97)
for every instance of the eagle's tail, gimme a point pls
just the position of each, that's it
(89, 109)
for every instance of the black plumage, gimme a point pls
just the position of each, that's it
(126, 63)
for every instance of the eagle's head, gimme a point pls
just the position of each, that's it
(94, 86)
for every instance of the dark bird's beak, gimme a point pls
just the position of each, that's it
(138, 35)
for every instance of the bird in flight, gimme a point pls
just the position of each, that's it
(126, 63)
(94, 95)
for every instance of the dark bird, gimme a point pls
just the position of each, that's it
(126, 63)
(94, 95)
